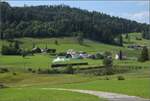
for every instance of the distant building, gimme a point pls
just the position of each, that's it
(136, 46)
(117, 56)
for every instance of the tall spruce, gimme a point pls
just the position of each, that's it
(120, 55)
(144, 54)
(62, 20)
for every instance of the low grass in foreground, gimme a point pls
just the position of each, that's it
(136, 83)
(137, 87)
(29, 94)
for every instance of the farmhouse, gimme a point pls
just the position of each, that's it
(40, 50)
(73, 54)
(136, 46)
(36, 50)
(117, 56)
(60, 59)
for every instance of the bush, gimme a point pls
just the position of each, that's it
(39, 70)
(14, 73)
(109, 70)
(10, 50)
(33, 71)
(144, 55)
(3, 70)
(30, 69)
(24, 53)
(69, 69)
(66, 64)
(107, 78)
(107, 61)
(120, 78)
(99, 56)
(53, 71)
(48, 71)
(56, 42)
(2, 86)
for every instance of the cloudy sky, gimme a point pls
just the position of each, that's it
(137, 10)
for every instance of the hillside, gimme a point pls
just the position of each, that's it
(47, 52)
(64, 44)
(62, 20)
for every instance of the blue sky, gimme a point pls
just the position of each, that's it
(134, 10)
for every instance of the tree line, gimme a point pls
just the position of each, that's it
(62, 20)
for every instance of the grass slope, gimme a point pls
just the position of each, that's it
(28, 94)
(44, 60)
(136, 82)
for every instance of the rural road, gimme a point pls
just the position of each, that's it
(106, 95)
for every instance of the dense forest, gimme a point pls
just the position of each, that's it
(62, 20)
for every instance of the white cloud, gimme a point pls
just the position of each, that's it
(142, 3)
(142, 17)
(136, 2)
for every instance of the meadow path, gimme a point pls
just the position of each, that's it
(106, 95)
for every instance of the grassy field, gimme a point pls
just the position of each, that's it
(36, 61)
(137, 82)
(132, 39)
(26, 94)
(130, 87)
(69, 43)
(29, 79)
(45, 60)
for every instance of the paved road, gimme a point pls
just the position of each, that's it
(106, 95)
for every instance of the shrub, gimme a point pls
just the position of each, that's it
(39, 70)
(48, 71)
(69, 69)
(30, 69)
(10, 50)
(144, 55)
(66, 64)
(14, 73)
(80, 38)
(2, 86)
(53, 71)
(109, 70)
(108, 63)
(56, 42)
(120, 78)
(3, 70)
(99, 56)
(24, 53)
(107, 78)
(33, 71)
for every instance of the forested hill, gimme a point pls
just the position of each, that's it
(57, 21)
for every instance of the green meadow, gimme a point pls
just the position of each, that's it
(136, 83)
(45, 60)
(27, 86)
(26, 94)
